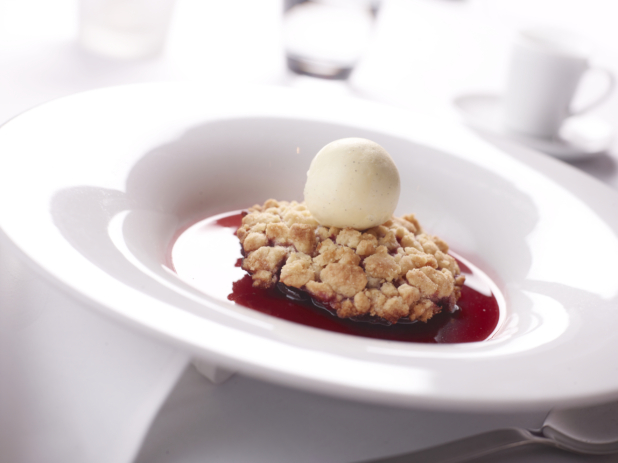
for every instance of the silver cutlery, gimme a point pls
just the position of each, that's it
(585, 430)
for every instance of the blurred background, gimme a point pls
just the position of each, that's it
(415, 54)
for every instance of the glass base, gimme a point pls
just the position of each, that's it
(321, 69)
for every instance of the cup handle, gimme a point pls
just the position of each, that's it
(611, 83)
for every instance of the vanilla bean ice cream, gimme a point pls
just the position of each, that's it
(352, 182)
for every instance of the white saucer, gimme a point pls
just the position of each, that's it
(580, 137)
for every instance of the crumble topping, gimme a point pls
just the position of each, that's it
(393, 271)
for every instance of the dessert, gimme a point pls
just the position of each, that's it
(393, 271)
(207, 256)
(358, 260)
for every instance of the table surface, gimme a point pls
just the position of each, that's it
(72, 377)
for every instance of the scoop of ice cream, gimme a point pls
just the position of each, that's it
(352, 182)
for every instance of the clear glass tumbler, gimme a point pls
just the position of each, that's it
(326, 38)
(124, 29)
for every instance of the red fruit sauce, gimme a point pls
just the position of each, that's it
(208, 256)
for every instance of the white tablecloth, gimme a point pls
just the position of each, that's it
(77, 387)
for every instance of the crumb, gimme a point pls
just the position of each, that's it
(394, 271)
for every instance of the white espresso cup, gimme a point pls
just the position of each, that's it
(545, 71)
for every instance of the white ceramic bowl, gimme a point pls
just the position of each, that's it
(93, 188)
